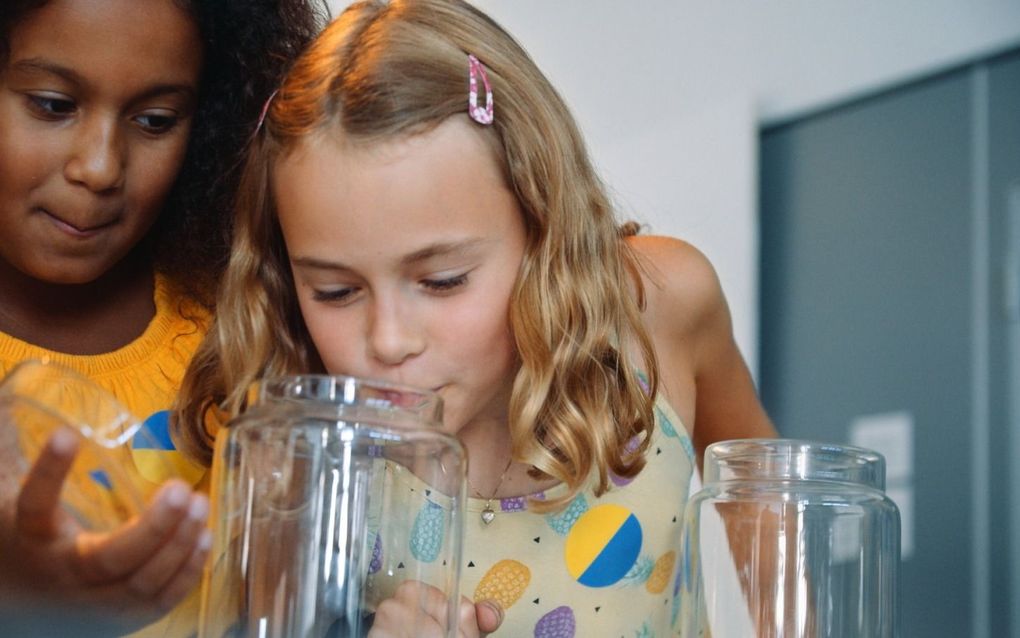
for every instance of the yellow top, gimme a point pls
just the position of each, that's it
(144, 376)
(607, 565)
(146, 373)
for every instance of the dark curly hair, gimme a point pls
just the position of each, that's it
(249, 45)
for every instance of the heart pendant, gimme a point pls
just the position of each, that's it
(488, 515)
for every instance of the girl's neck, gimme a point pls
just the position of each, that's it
(489, 475)
(82, 319)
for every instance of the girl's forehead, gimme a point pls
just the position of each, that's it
(143, 13)
(443, 179)
(455, 145)
(149, 29)
(387, 147)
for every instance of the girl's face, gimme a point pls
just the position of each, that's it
(404, 254)
(96, 100)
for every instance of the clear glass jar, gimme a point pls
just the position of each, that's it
(114, 473)
(327, 493)
(791, 539)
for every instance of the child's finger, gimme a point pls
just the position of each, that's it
(426, 598)
(132, 545)
(39, 497)
(188, 575)
(489, 616)
(467, 622)
(416, 609)
(393, 620)
(162, 567)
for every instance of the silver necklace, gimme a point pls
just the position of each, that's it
(489, 514)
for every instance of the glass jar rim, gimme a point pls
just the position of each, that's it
(342, 391)
(792, 459)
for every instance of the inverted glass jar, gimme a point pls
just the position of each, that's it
(791, 539)
(119, 464)
(328, 493)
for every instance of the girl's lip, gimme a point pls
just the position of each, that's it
(402, 399)
(76, 231)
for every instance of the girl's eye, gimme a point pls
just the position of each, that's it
(445, 285)
(339, 295)
(157, 123)
(51, 107)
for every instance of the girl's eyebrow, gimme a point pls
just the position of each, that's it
(423, 254)
(442, 249)
(38, 66)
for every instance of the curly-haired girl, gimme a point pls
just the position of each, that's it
(122, 126)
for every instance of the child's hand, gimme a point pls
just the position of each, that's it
(402, 615)
(137, 572)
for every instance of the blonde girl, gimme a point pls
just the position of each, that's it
(420, 207)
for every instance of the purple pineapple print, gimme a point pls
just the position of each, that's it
(558, 623)
(376, 563)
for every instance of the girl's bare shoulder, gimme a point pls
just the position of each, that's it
(682, 291)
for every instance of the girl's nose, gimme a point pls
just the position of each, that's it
(97, 159)
(394, 334)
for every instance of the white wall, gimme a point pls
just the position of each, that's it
(671, 94)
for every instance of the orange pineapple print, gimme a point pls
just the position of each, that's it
(504, 583)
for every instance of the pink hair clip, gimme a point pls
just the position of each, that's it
(481, 114)
(263, 113)
(262, 118)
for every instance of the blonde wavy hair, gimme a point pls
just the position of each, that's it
(579, 407)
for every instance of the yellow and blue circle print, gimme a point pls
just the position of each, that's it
(602, 545)
(155, 455)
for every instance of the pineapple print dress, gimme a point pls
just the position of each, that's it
(602, 566)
